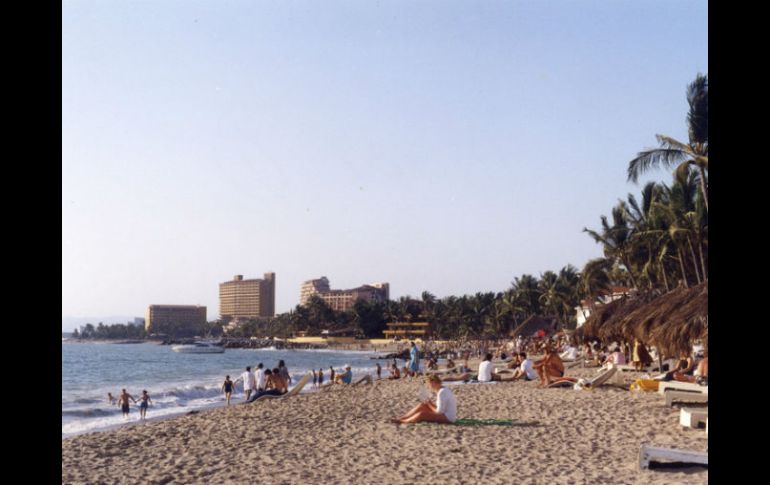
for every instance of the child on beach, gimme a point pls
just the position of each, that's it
(145, 399)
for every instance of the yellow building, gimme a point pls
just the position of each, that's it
(171, 319)
(244, 299)
(407, 330)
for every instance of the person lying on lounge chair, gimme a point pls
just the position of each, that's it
(444, 411)
(549, 366)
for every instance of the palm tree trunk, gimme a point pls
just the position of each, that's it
(702, 261)
(703, 187)
(681, 265)
(694, 260)
(665, 280)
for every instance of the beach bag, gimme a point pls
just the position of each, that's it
(644, 385)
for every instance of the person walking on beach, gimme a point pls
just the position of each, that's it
(144, 401)
(414, 359)
(379, 371)
(227, 388)
(249, 382)
(123, 402)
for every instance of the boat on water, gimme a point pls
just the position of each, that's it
(199, 348)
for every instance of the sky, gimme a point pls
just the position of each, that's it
(447, 146)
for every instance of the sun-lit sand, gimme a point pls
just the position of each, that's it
(343, 435)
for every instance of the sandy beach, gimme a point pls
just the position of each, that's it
(343, 435)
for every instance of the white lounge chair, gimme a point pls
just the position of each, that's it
(293, 391)
(648, 454)
(693, 417)
(682, 386)
(684, 396)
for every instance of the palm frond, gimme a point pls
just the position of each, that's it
(648, 159)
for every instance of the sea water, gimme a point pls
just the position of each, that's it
(177, 383)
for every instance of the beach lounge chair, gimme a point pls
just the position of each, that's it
(602, 378)
(649, 454)
(665, 386)
(293, 391)
(693, 417)
(684, 396)
(597, 381)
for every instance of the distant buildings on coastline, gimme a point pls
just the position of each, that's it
(167, 318)
(342, 300)
(241, 299)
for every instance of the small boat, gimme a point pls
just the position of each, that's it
(198, 348)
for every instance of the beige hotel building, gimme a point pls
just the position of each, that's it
(241, 299)
(342, 300)
(161, 318)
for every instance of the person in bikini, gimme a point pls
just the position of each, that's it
(144, 402)
(227, 388)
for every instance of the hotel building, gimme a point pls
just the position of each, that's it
(241, 299)
(341, 300)
(170, 318)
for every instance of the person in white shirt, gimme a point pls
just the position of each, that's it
(485, 369)
(444, 411)
(249, 383)
(260, 377)
(525, 370)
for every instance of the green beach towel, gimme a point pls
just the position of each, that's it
(476, 422)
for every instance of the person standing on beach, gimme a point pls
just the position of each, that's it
(227, 388)
(414, 359)
(379, 371)
(320, 376)
(315, 378)
(249, 382)
(259, 376)
(145, 401)
(123, 402)
(331, 372)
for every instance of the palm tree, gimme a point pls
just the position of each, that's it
(684, 155)
(616, 240)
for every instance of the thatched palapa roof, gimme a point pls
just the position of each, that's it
(531, 325)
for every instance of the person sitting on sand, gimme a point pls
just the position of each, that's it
(450, 364)
(485, 369)
(432, 364)
(615, 358)
(549, 366)
(526, 370)
(394, 372)
(444, 411)
(346, 377)
(515, 362)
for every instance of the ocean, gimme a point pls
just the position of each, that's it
(177, 383)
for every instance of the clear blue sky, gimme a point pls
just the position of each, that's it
(447, 146)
